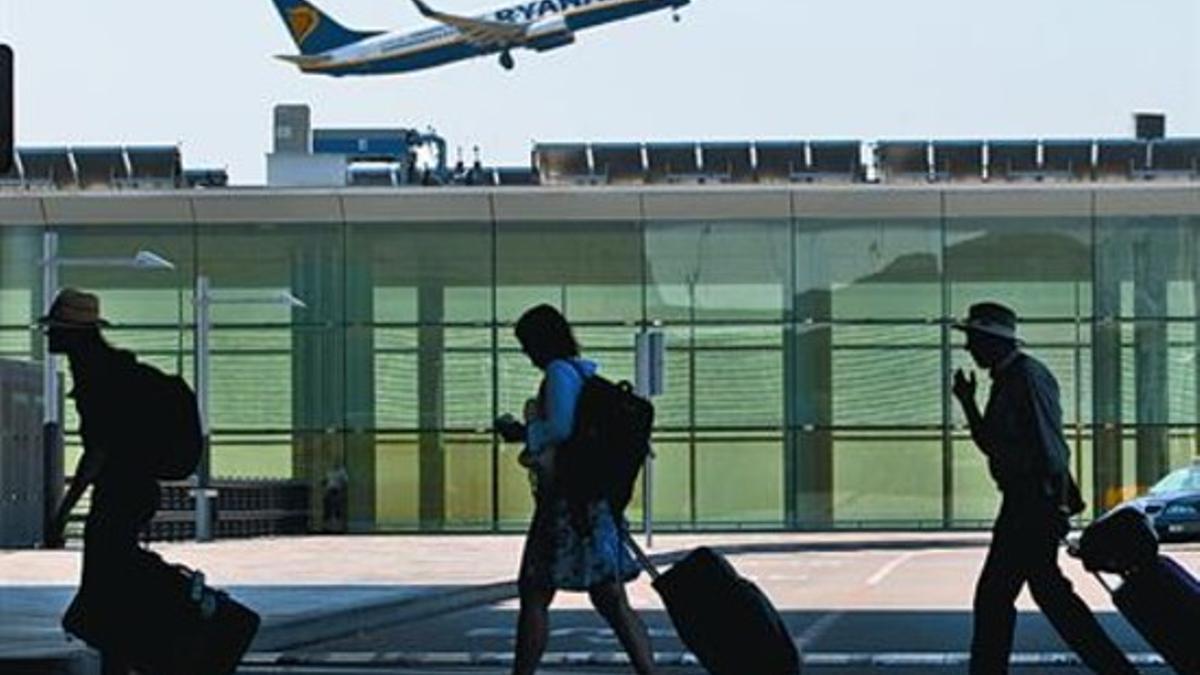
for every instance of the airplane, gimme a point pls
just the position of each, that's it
(328, 48)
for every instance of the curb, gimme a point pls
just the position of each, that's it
(319, 626)
(66, 660)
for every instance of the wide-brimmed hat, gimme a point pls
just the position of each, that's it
(73, 308)
(990, 318)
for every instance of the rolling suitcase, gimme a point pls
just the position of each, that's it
(1117, 542)
(723, 618)
(1157, 595)
(1162, 601)
(168, 623)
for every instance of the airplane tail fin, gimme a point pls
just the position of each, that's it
(313, 30)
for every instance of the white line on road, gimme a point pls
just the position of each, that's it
(892, 566)
(817, 630)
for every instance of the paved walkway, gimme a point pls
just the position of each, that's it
(314, 589)
(305, 588)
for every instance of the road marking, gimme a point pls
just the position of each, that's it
(817, 630)
(580, 632)
(791, 578)
(892, 566)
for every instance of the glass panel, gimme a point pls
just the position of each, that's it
(395, 372)
(886, 375)
(887, 478)
(1158, 372)
(101, 260)
(868, 269)
(514, 488)
(397, 472)
(739, 479)
(590, 270)
(251, 375)
(976, 498)
(1154, 261)
(1041, 267)
(20, 280)
(252, 456)
(468, 480)
(467, 379)
(250, 266)
(717, 271)
(672, 483)
(739, 388)
(397, 260)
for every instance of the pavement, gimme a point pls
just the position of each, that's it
(854, 601)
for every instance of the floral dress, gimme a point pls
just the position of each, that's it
(557, 554)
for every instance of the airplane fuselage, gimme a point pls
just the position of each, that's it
(399, 52)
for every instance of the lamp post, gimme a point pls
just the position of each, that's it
(203, 301)
(51, 414)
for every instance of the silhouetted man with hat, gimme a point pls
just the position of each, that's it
(1020, 432)
(125, 494)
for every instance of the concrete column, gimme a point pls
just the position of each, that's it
(1150, 257)
(431, 343)
(1107, 468)
(808, 404)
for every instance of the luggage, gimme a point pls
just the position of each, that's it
(724, 619)
(1157, 595)
(167, 622)
(1162, 601)
(1118, 542)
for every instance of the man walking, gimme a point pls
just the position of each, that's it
(125, 494)
(1020, 433)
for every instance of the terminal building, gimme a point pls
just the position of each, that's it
(805, 289)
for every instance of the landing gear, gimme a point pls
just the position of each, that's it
(506, 60)
(675, 17)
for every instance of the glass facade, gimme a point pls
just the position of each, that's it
(808, 339)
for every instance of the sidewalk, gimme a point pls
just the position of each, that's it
(311, 589)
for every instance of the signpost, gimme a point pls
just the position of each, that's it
(650, 367)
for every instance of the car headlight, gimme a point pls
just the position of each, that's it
(1183, 510)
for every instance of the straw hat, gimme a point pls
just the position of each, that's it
(990, 318)
(73, 308)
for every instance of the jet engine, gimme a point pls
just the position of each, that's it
(550, 34)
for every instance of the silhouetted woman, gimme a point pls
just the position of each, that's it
(558, 555)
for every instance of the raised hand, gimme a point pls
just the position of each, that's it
(964, 387)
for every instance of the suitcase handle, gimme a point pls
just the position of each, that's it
(641, 556)
(1073, 551)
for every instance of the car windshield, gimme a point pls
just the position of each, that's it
(1183, 479)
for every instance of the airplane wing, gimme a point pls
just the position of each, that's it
(482, 32)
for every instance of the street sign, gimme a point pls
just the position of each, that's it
(650, 366)
(6, 108)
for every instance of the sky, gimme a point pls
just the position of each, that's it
(201, 74)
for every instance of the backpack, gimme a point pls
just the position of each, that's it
(607, 448)
(170, 424)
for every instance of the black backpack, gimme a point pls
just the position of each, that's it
(607, 448)
(169, 424)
